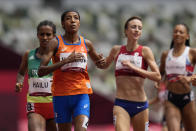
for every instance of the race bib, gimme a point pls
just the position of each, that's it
(42, 85)
(77, 65)
(136, 60)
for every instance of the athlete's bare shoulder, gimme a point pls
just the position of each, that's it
(192, 51)
(88, 43)
(26, 53)
(165, 53)
(53, 44)
(116, 47)
(147, 52)
(114, 51)
(146, 49)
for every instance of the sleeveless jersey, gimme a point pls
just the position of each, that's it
(135, 57)
(180, 65)
(71, 78)
(39, 87)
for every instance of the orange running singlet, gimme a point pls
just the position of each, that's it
(71, 78)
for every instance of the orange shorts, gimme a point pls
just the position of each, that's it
(44, 109)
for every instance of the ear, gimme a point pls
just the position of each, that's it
(62, 24)
(188, 36)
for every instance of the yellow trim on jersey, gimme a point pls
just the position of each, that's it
(39, 99)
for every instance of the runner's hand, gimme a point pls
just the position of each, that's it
(75, 57)
(18, 87)
(101, 62)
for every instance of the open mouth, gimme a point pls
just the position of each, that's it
(73, 26)
(135, 35)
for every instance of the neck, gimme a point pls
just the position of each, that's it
(178, 47)
(40, 51)
(131, 45)
(177, 50)
(71, 38)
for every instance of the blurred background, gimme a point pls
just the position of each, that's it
(102, 22)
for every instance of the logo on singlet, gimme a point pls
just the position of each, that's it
(63, 49)
(169, 58)
(34, 72)
(136, 54)
(82, 49)
(31, 57)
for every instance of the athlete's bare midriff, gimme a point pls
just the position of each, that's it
(130, 88)
(178, 87)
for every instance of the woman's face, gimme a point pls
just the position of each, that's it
(180, 34)
(134, 29)
(71, 22)
(45, 34)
